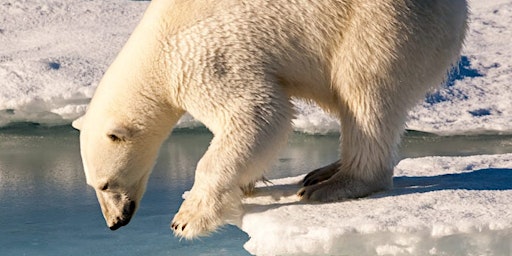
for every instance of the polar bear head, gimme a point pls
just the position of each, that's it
(120, 136)
(131, 113)
(117, 159)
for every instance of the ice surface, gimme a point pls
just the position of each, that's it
(54, 54)
(439, 206)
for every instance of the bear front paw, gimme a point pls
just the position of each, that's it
(199, 216)
(190, 227)
(194, 220)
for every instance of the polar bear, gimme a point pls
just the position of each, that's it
(234, 65)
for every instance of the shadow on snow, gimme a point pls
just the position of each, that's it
(447, 91)
(491, 179)
(485, 179)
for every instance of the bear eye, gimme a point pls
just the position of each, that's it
(113, 137)
(104, 187)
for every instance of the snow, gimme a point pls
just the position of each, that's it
(53, 54)
(479, 100)
(439, 206)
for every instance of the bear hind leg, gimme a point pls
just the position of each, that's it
(370, 135)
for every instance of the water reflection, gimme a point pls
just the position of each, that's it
(29, 156)
(418, 144)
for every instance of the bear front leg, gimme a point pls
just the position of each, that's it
(238, 155)
(214, 199)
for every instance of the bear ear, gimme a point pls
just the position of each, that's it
(77, 124)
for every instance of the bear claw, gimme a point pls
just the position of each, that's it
(175, 226)
(301, 192)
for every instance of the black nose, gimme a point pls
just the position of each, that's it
(116, 225)
(128, 212)
(120, 221)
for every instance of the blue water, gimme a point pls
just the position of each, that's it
(47, 209)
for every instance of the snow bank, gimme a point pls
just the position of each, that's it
(477, 99)
(439, 206)
(54, 53)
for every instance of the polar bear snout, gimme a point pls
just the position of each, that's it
(124, 219)
(117, 208)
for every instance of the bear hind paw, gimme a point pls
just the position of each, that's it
(321, 174)
(338, 190)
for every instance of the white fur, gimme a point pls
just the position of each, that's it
(234, 65)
